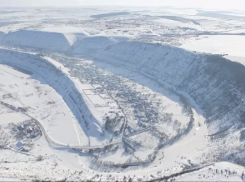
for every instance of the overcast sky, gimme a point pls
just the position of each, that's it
(213, 4)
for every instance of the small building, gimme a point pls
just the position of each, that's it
(18, 146)
(29, 129)
(21, 128)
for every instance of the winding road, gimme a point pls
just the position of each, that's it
(49, 139)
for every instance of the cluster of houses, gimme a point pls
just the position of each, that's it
(117, 87)
(30, 129)
(24, 134)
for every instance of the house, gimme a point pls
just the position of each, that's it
(18, 145)
(21, 128)
(29, 129)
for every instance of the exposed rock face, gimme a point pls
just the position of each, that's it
(37, 40)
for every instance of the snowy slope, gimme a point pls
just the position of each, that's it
(215, 83)
(72, 34)
(209, 79)
(38, 40)
(233, 45)
(58, 40)
(90, 45)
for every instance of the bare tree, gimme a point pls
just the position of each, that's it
(4, 139)
(39, 158)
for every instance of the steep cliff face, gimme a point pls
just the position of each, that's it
(91, 45)
(215, 83)
(37, 40)
(47, 41)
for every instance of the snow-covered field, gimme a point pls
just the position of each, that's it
(42, 102)
(105, 95)
(230, 45)
(233, 45)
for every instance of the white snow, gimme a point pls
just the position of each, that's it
(233, 45)
(43, 102)
(121, 46)
(8, 117)
(175, 24)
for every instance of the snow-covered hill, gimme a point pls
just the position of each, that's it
(57, 41)
(90, 45)
(37, 40)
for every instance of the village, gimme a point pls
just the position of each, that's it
(138, 113)
(20, 136)
(25, 133)
(131, 102)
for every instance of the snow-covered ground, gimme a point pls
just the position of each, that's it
(114, 81)
(27, 90)
(222, 171)
(230, 45)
